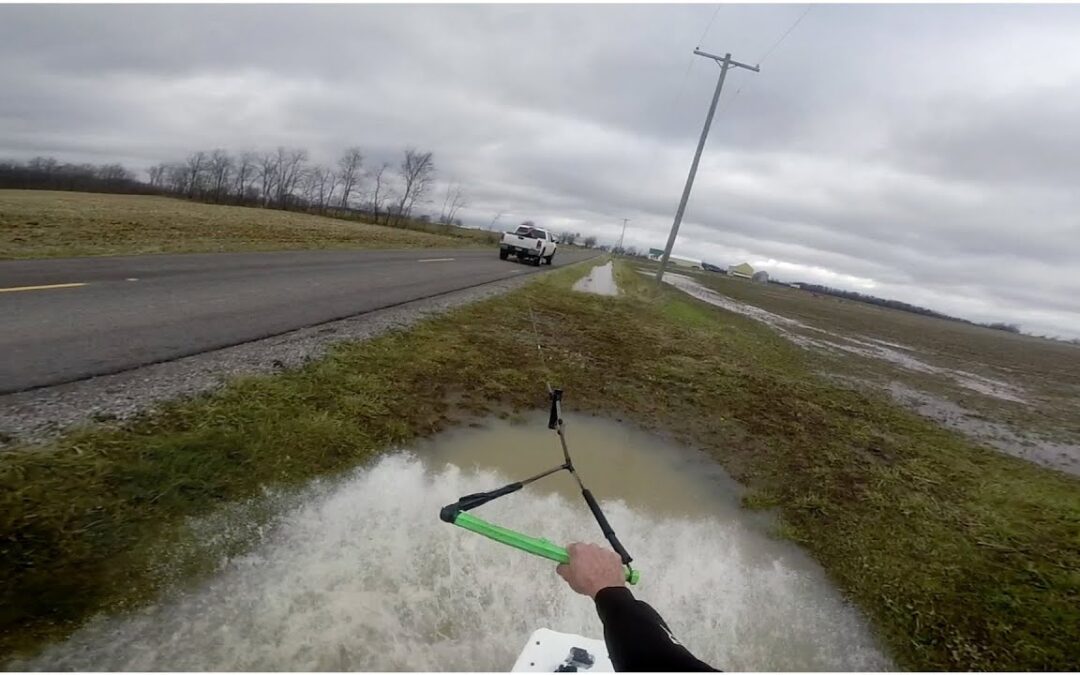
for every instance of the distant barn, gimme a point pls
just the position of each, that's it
(743, 271)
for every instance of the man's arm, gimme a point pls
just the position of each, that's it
(637, 637)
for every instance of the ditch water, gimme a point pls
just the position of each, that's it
(360, 574)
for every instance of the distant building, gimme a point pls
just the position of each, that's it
(656, 253)
(743, 271)
(798, 286)
(683, 262)
(761, 277)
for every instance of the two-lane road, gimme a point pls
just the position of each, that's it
(65, 320)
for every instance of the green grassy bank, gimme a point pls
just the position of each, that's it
(47, 224)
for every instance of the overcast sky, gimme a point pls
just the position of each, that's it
(925, 153)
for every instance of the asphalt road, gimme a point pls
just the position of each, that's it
(66, 320)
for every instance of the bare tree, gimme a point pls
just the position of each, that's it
(157, 175)
(379, 190)
(491, 225)
(45, 165)
(309, 188)
(244, 175)
(219, 166)
(196, 166)
(417, 172)
(176, 178)
(590, 241)
(268, 170)
(446, 202)
(348, 175)
(454, 201)
(290, 168)
(321, 182)
(113, 175)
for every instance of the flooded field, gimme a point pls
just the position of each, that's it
(1029, 412)
(360, 574)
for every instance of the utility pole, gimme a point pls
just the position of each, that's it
(624, 221)
(725, 64)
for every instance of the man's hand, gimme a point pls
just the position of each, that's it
(591, 569)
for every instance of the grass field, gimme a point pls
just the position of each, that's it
(45, 224)
(1027, 387)
(962, 558)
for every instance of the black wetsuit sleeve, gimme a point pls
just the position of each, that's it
(638, 639)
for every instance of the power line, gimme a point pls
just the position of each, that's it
(728, 102)
(690, 61)
(708, 26)
(786, 33)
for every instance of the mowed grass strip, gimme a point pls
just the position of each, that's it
(46, 224)
(961, 557)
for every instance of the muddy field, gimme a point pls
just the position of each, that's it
(1016, 393)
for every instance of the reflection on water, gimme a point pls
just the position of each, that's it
(361, 574)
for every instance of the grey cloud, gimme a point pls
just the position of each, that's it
(909, 150)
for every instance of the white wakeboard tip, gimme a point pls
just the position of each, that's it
(549, 651)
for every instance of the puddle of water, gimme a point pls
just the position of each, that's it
(600, 281)
(360, 574)
(1061, 456)
(868, 347)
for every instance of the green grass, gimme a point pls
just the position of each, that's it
(962, 558)
(46, 224)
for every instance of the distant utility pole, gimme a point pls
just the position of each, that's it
(624, 221)
(725, 63)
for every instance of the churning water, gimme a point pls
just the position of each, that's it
(360, 574)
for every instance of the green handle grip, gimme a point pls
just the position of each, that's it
(537, 547)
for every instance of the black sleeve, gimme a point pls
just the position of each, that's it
(638, 639)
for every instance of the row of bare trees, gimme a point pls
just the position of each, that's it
(48, 173)
(283, 178)
(286, 179)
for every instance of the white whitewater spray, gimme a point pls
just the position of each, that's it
(360, 574)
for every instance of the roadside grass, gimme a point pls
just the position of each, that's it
(962, 558)
(47, 224)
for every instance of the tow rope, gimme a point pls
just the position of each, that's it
(456, 513)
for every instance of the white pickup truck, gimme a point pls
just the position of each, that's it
(528, 244)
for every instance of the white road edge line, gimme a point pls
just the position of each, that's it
(435, 260)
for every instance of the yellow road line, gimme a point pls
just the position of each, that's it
(15, 289)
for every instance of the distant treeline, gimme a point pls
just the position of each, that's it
(903, 306)
(47, 173)
(283, 178)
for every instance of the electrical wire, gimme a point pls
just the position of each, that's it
(708, 26)
(728, 102)
(783, 37)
